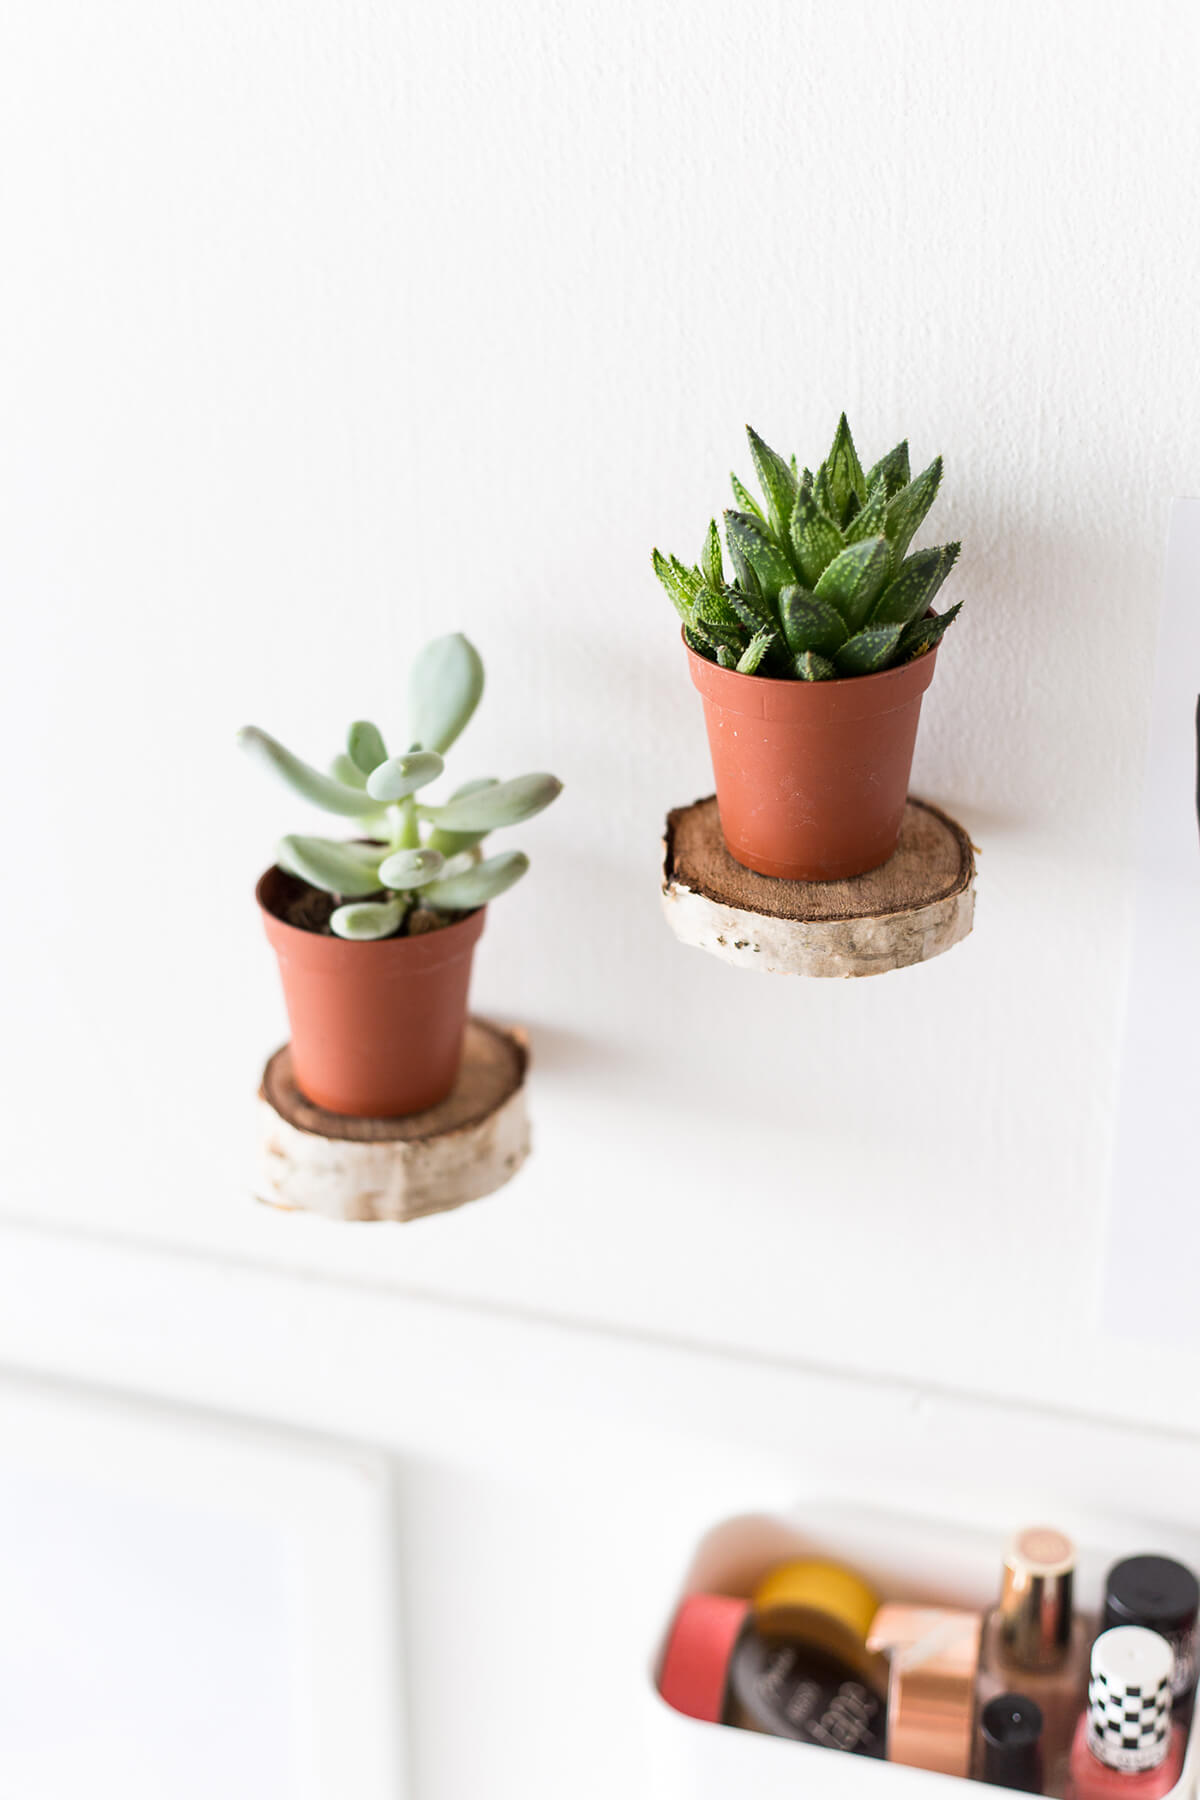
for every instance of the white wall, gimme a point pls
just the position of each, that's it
(327, 328)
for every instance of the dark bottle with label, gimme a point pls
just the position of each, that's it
(795, 1691)
(1010, 1730)
(1163, 1596)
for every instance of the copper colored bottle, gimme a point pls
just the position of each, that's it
(1036, 1644)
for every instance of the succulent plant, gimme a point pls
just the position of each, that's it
(822, 584)
(407, 851)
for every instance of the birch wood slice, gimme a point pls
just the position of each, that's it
(920, 903)
(362, 1169)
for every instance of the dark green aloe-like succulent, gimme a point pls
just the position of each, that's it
(822, 585)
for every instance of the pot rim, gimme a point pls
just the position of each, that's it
(395, 946)
(837, 681)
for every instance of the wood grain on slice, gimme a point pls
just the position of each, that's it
(917, 905)
(311, 1160)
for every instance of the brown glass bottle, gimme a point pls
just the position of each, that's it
(1034, 1642)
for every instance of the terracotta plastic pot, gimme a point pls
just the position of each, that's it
(812, 776)
(377, 1028)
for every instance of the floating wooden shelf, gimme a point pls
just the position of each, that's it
(916, 905)
(360, 1169)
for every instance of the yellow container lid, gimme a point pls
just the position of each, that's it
(823, 1604)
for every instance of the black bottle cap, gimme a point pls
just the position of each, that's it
(1154, 1591)
(794, 1691)
(1011, 1728)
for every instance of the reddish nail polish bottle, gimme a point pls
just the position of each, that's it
(1126, 1746)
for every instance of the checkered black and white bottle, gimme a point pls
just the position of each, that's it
(1126, 1743)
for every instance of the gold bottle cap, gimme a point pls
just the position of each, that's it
(1037, 1598)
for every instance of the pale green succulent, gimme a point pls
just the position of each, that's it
(407, 851)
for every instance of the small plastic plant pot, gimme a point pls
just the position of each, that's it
(812, 776)
(377, 1027)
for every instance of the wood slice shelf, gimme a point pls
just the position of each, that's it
(398, 1169)
(918, 904)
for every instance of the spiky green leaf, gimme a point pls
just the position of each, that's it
(401, 776)
(334, 868)
(777, 482)
(812, 666)
(406, 869)
(815, 539)
(844, 472)
(906, 511)
(710, 560)
(869, 520)
(444, 688)
(853, 580)
(749, 543)
(725, 657)
(923, 634)
(681, 597)
(893, 468)
(365, 923)
(365, 745)
(868, 651)
(462, 893)
(507, 803)
(921, 575)
(322, 790)
(745, 499)
(759, 646)
(755, 613)
(809, 622)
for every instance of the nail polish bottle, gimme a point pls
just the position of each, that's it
(1164, 1596)
(1010, 1732)
(933, 1655)
(1035, 1644)
(1126, 1746)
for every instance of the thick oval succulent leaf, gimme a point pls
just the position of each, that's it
(461, 893)
(401, 776)
(444, 689)
(869, 520)
(893, 468)
(854, 580)
(816, 540)
(920, 577)
(749, 543)
(777, 482)
(365, 745)
(343, 769)
(810, 665)
(711, 565)
(405, 869)
(755, 613)
(364, 923)
(322, 790)
(334, 868)
(844, 472)
(504, 803)
(809, 622)
(451, 843)
(868, 651)
(923, 634)
(906, 511)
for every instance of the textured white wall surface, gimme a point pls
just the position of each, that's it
(329, 328)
